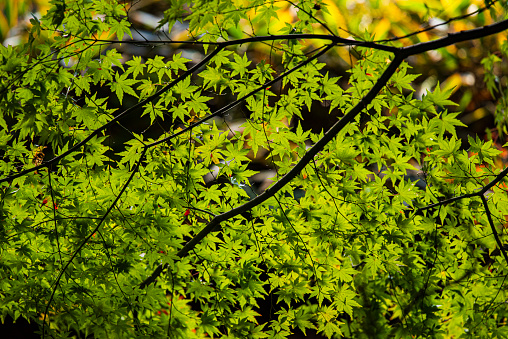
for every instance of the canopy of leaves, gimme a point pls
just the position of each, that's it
(187, 195)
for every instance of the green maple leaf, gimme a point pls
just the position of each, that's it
(136, 67)
(123, 85)
(407, 192)
(440, 98)
(120, 27)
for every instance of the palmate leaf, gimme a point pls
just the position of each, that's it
(123, 85)
(136, 67)
(346, 274)
(439, 98)
(119, 28)
(447, 122)
(401, 80)
(407, 192)
(240, 66)
(327, 323)
(178, 62)
(212, 77)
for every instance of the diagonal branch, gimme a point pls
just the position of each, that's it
(220, 46)
(129, 110)
(493, 228)
(481, 195)
(237, 102)
(453, 38)
(400, 55)
(430, 28)
(89, 236)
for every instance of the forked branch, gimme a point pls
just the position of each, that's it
(399, 55)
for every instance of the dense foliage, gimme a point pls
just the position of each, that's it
(387, 224)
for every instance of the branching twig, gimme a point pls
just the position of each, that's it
(84, 242)
(400, 55)
(494, 231)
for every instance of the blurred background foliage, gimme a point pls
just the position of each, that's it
(475, 71)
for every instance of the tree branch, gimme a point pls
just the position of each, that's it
(129, 110)
(220, 46)
(493, 228)
(333, 38)
(242, 99)
(400, 55)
